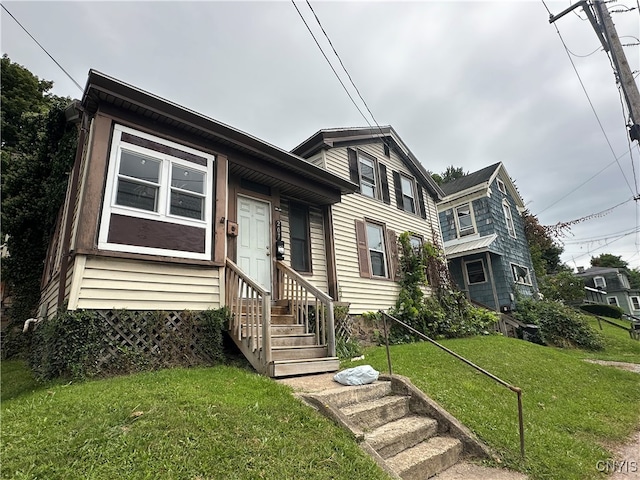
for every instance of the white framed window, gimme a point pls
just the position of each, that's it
(407, 186)
(464, 220)
(416, 243)
(501, 186)
(635, 302)
(521, 274)
(613, 301)
(368, 178)
(624, 281)
(475, 272)
(377, 250)
(167, 187)
(599, 282)
(508, 218)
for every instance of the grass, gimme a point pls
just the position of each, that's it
(227, 422)
(203, 423)
(618, 345)
(571, 408)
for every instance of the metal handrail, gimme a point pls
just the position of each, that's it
(631, 331)
(516, 390)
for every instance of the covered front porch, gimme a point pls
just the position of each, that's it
(280, 280)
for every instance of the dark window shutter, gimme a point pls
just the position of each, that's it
(353, 167)
(397, 186)
(392, 250)
(384, 183)
(363, 249)
(423, 210)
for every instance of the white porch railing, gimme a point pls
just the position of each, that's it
(305, 298)
(250, 306)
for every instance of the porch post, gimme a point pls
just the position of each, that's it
(331, 330)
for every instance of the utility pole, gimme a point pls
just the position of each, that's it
(606, 32)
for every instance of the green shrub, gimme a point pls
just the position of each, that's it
(347, 349)
(84, 343)
(66, 346)
(611, 311)
(564, 286)
(445, 314)
(560, 325)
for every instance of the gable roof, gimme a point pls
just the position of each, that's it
(335, 137)
(470, 180)
(101, 88)
(481, 180)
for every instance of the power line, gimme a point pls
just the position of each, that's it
(43, 49)
(600, 238)
(594, 111)
(580, 186)
(559, 228)
(343, 67)
(606, 244)
(330, 64)
(584, 56)
(589, 100)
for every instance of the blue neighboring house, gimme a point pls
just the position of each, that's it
(484, 239)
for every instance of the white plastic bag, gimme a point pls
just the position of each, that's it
(357, 375)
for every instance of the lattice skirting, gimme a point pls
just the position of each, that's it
(154, 338)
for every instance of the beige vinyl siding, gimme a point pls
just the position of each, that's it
(318, 278)
(106, 283)
(366, 294)
(317, 160)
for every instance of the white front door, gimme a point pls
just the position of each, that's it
(254, 239)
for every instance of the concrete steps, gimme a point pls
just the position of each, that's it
(407, 433)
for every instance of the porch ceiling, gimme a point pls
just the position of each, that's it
(287, 189)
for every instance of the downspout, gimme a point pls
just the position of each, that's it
(64, 261)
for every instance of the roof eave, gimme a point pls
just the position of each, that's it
(98, 81)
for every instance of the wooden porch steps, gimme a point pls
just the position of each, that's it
(287, 368)
(300, 337)
(293, 351)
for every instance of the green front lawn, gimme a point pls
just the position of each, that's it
(230, 423)
(201, 423)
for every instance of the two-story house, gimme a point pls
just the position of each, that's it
(395, 194)
(614, 284)
(484, 239)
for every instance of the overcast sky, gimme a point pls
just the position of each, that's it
(463, 83)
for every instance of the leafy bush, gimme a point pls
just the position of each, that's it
(612, 311)
(78, 344)
(65, 346)
(560, 325)
(564, 286)
(445, 314)
(347, 349)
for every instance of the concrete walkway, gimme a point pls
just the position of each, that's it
(461, 471)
